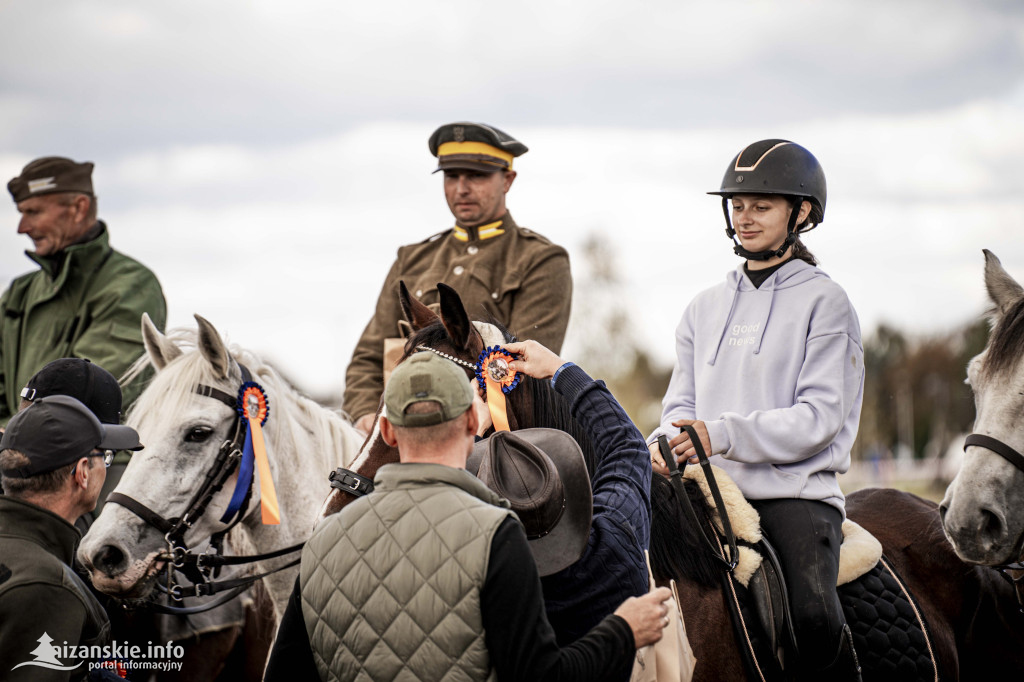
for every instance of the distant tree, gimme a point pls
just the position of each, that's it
(602, 335)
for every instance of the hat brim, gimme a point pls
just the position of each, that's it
(116, 437)
(467, 165)
(564, 544)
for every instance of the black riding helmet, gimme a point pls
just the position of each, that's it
(775, 167)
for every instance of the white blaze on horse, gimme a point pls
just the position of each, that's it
(183, 418)
(983, 510)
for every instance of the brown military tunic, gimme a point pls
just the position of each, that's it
(505, 271)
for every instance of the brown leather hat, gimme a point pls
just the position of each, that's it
(51, 175)
(542, 474)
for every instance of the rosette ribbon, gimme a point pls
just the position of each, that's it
(496, 379)
(253, 409)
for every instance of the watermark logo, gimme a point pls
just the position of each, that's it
(46, 656)
(119, 657)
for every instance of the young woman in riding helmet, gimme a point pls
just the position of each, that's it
(770, 372)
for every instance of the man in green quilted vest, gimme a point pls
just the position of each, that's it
(429, 577)
(86, 300)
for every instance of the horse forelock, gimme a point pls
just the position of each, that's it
(1006, 344)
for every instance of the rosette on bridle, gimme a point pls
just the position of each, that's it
(254, 409)
(496, 379)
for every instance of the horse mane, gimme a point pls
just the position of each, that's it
(677, 548)
(170, 391)
(1006, 345)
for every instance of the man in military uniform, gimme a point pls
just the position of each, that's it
(501, 271)
(86, 300)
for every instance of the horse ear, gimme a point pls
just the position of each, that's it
(212, 347)
(160, 349)
(1002, 289)
(454, 317)
(417, 314)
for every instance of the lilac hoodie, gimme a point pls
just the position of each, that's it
(777, 375)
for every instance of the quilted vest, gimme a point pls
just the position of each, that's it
(391, 584)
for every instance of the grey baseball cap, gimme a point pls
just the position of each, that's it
(427, 377)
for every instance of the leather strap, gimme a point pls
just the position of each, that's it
(350, 482)
(996, 446)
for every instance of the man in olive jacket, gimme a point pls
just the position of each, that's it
(501, 270)
(86, 300)
(52, 457)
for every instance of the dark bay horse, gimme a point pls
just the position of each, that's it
(957, 600)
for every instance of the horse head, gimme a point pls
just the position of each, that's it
(186, 422)
(452, 333)
(983, 509)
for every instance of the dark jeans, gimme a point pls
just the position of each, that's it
(806, 535)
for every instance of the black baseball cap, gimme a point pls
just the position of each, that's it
(56, 431)
(89, 383)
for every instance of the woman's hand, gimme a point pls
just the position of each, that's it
(682, 448)
(534, 359)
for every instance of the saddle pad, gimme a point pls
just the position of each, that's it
(889, 632)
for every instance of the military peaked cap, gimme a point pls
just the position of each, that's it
(474, 146)
(50, 175)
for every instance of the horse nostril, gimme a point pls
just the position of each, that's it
(942, 512)
(109, 559)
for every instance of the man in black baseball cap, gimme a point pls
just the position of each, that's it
(52, 466)
(98, 390)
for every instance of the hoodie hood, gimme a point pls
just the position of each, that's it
(757, 303)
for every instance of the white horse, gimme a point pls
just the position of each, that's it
(983, 509)
(182, 431)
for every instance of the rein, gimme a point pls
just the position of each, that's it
(676, 478)
(1016, 459)
(199, 568)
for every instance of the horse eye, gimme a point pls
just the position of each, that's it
(198, 434)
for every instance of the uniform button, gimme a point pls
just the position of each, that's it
(459, 270)
(494, 295)
(419, 292)
(472, 250)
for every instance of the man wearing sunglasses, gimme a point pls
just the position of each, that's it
(53, 457)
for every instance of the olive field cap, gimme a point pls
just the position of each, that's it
(776, 167)
(541, 472)
(474, 146)
(426, 377)
(58, 430)
(81, 379)
(50, 175)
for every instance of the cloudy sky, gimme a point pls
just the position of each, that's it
(266, 159)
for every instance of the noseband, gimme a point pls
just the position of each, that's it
(1016, 459)
(200, 568)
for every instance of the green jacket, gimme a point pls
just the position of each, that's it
(511, 273)
(391, 584)
(41, 595)
(86, 302)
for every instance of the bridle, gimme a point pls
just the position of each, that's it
(201, 569)
(1016, 459)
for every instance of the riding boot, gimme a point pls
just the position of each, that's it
(845, 667)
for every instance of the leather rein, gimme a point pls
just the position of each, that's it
(1016, 459)
(728, 563)
(201, 569)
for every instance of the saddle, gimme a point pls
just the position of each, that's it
(889, 632)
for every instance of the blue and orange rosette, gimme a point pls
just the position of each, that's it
(254, 409)
(496, 379)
